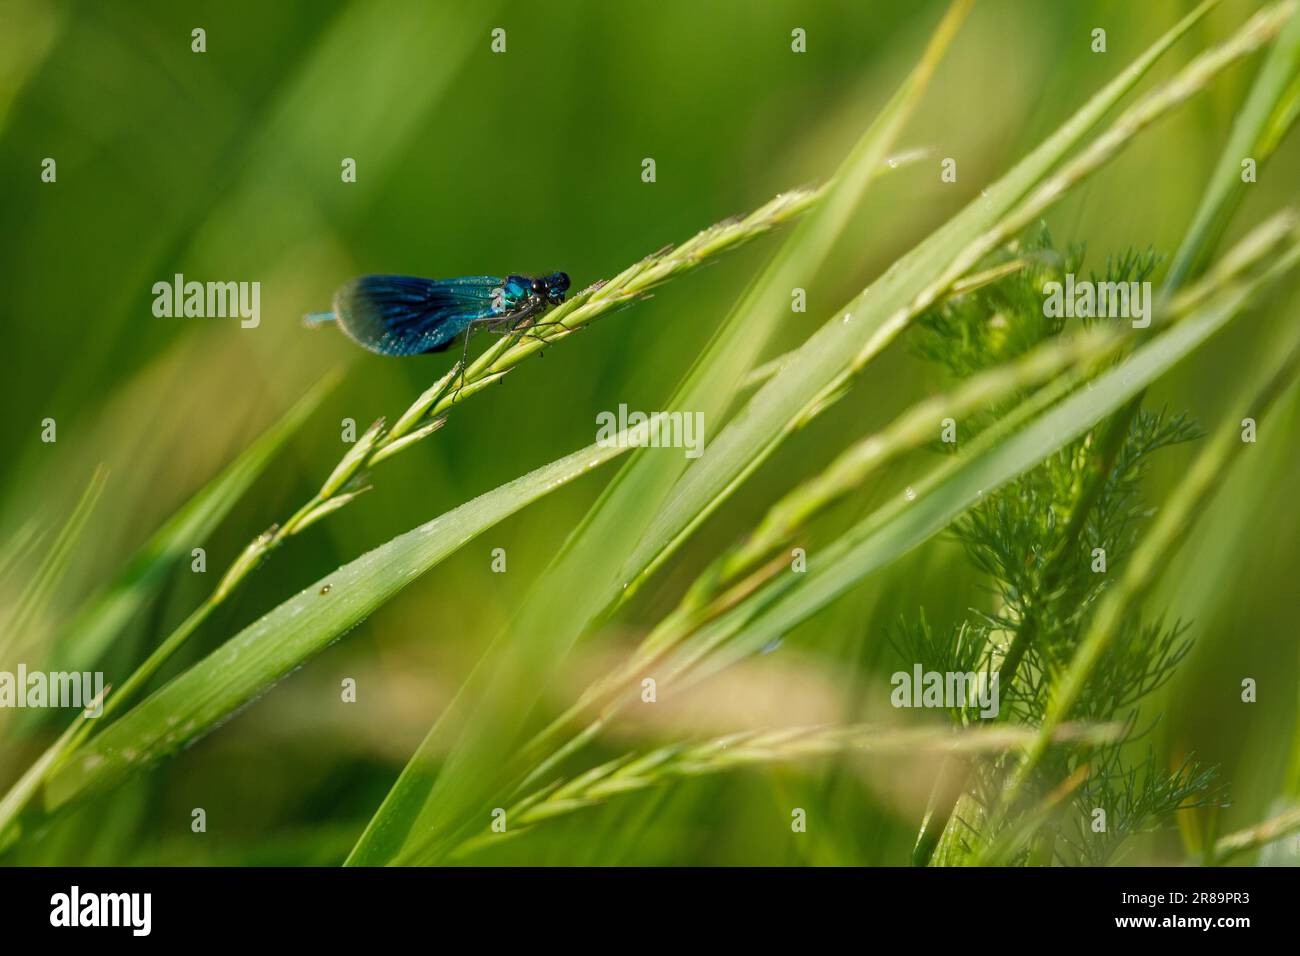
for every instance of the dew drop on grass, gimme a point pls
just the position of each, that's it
(909, 494)
(771, 645)
(326, 589)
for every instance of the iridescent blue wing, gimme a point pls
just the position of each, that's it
(405, 315)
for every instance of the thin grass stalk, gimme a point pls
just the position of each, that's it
(632, 773)
(639, 279)
(52, 565)
(1253, 837)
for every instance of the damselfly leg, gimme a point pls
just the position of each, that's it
(508, 324)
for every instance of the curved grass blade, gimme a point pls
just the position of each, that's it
(1257, 836)
(1264, 119)
(232, 676)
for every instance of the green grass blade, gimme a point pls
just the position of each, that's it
(253, 660)
(1264, 119)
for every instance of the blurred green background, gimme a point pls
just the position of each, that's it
(225, 166)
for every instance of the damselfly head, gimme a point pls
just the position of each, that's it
(552, 287)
